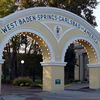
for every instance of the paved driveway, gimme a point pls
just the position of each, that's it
(16, 93)
(19, 93)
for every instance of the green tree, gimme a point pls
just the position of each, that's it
(70, 58)
(7, 7)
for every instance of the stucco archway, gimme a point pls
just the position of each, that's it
(40, 39)
(85, 54)
(90, 48)
(58, 28)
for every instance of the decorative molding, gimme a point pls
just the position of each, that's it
(51, 11)
(58, 64)
(93, 65)
(58, 31)
(58, 36)
(77, 37)
(6, 39)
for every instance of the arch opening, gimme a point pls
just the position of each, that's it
(26, 47)
(44, 42)
(78, 55)
(32, 37)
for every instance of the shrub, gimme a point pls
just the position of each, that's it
(23, 81)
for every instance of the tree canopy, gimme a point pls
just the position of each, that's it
(83, 8)
(7, 7)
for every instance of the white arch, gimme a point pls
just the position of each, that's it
(51, 11)
(8, 37)
(72, 39)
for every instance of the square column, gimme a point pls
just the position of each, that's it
(53, 76)
(94, 76)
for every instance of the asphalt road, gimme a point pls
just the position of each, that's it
(72, 93)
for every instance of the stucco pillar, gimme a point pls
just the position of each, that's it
(53, 76)
(94, 76)
(1, 62)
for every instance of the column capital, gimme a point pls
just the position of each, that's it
(2, 61)
(59, 64)
(93, 65)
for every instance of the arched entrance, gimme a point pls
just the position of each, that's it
(58, 29)
(22, 56)
(79, 53)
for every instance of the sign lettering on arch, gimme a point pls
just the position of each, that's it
(46, 17)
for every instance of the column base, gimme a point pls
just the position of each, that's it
(53, 76)
(94, 76)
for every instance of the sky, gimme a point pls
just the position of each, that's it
(97, 15)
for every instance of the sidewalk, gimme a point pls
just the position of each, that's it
(70, 95)
(79, 91)
(76, 86)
